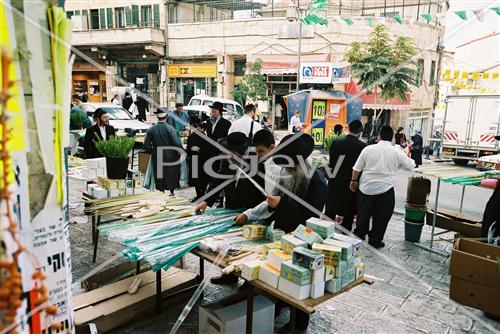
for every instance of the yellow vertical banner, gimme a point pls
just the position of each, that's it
(495, 76)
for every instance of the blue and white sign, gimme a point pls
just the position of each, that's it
(341, 73)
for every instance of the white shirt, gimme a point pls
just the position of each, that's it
(379, 164)
(243, 125)
(103, 132)
(278, 109)
(295, 122)
(271, 177)
(116, 102)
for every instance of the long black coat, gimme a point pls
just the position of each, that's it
(91, 136)
(492, 213)
(220, 131)
(239, 194)
(417, 148)
(142, 106)
(162, 134)
(196, 155)
(342, 201)
(289, 214)
(127, 102)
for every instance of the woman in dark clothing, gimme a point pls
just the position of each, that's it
(400, 137)
(196, 159)
(417, 148)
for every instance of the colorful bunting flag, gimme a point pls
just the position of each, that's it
(314, 19)
(495, 76)
(348, 21)
(465, 75)
(496, 10)
(486, 75)
(462, 14)
(479, 14)
(398, 19)
(427, 17)
(475, 75)
(370, 20)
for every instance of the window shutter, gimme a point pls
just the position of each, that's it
(109, 12)
(102, 18)
(85, 12)
(128, 16)
(77, 12)
(156, 15)
(135, 15)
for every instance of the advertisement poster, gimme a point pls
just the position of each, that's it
(315, 73)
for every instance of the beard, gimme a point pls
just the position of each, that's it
(295, 180)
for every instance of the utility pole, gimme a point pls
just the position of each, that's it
(166, 88)
(440, 50)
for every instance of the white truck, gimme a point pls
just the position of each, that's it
(471, 123)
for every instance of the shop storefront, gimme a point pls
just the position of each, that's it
(142, 75)
(188, 80)
(89, 82)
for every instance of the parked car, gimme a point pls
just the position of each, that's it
(229, 105)
(119, 118)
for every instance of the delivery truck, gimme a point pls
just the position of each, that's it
(471, 123)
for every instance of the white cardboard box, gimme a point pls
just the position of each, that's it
(334, 285)
(215, 318)
(318, 275)
(93, 163)
(269, 275)
(276, 256)
(317, 290)
(296, 291)
(250, 270)
(100, 192)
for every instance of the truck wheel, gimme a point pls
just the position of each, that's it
(461, 162)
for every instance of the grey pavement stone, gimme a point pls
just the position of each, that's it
(350, 299)
(343, 326)
(339, 309)
(388, 324)
(391, 289)
(424, 324)
(369, 292)
(406, 283)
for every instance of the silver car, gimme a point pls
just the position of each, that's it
(119, 117)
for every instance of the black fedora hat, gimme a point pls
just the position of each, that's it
(217, 105)
(236, 141)
(293, 146)
(497, 137)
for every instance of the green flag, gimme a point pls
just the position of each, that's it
(462, 14)
(319, 6)
(496, 10)
(370, 20)
(427, 17)
(348, 21)
(398, 19)
(314, 19)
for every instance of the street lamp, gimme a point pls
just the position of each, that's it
(293, 14)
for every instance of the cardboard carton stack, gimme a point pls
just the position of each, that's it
(312, 260)
(112, 188)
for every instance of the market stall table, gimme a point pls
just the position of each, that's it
(441, 173)
(307, 305)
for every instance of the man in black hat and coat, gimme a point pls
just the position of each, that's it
(491, 213)
(344, 153)
(196, 150)
(165, 148)
(101, 130)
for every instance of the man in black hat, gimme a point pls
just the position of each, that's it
(341, 203)
(99, 131)
(161, 140)
(491, 213)
(195, 150)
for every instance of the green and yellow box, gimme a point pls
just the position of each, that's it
(272, 245)
(324, 228)
(307, 258)
(289, 242)
(254, 231)
(348, 278)
(297, 274)
(332, 253)
(307, 234)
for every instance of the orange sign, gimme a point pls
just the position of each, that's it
(192, 70)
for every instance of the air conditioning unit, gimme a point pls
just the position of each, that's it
(80, 22)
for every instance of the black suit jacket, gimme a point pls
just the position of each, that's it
(220, 131)
(91, 135)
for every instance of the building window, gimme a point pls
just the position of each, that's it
(433, 73)
(239, 67)
(94, 19)
(390, 14)
(69, 14)
(420, 71)
(156, 14)
(146, 17)
(120, 17)
(109, 14)
(135, 15)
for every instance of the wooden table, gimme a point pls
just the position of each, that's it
(307, 305)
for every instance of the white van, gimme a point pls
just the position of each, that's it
(205, 100)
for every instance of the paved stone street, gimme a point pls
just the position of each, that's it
(409, 295)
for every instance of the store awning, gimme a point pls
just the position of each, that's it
(277, 64)
(374, 101)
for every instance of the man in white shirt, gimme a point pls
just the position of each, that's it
(295, 122)
(377, 164)
(246, 124)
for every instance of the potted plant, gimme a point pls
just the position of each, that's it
(116, 150)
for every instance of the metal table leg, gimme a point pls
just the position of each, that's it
(96, 238)
(462, 199)
(138, 267)
(158, 291)
(201, 276)
(93, 229)
(249, 323)
(293, 318)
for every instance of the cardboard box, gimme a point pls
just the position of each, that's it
(271, 245)
(111, 306)
(101, 172)
(317, 289)
(274, 234)
(228, 315)
(294, 273)
(250, 270)
(329, 273)
(334, 285)
(107, 183)
(296, 291)
(341, 269)
(324, 228)
(475, 262)
(307, 234)
(455, 221)
(113, 192)
(94, 163)
(475, 295)
(99, 192)
(318, 275)
(276, 256)
(269, 275)
(348, 278)
(307, 258)
(357, 244)
(254, 231)
(112, 275)
(289, 242)
(332, 253)
(360, 270)
(351, 263)
(143, 161)
(347, 251)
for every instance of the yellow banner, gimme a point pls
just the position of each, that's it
(192, 70)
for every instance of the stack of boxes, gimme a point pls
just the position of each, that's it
(312, 260)
(112, 187)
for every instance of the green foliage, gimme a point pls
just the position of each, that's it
(76, 120)
(115, 147)
(384, 65)
(253, 85)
